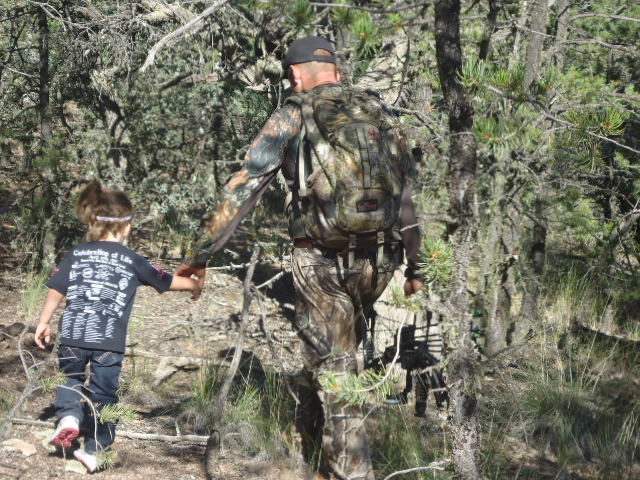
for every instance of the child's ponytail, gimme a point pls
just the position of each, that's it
(87, 201)
(104, 210)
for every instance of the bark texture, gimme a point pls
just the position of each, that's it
(46, 241)
(533, 267)
(536, 41)
(462, 360)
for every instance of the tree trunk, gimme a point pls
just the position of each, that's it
(522, 20)
(116, 126)
(44, 193)
(43, 85)
(534, 266)
(491, 271)
(536, 41)
(492, 17)
(562, 27)
(460, 349)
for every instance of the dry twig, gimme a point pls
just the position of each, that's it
(199, 439)
(176, 34)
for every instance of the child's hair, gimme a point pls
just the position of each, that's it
(103, 210)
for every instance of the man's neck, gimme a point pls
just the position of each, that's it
(325, 84)
(327, 78)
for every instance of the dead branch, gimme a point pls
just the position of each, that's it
(189, 27)
(437, 465)
(611, 339)
(6, 67)
(161, 11)
(233, 266)
(387, 374)
(213, 441)
(370, 9)
(270, 281)
(235, 362)
(199, 439)
(603, 15)
(29, 389)
(621, 230)
(275, 354)
(593, 41)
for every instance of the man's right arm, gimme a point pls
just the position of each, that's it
(246, 187)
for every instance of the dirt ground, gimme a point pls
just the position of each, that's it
(170, 338)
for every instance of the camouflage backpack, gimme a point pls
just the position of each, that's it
(348, 169)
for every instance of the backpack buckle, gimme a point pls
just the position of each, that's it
(350, 258)
(380, 243)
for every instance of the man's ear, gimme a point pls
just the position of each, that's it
(295, 76)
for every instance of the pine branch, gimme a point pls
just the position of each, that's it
(570, 125)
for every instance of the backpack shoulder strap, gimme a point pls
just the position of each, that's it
(305, 102)
(303, 163)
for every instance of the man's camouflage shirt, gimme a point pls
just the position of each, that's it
(275, 148)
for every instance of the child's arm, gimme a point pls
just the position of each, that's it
(43, 330)
(184, 283)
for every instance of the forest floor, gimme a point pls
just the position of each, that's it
(171, 341)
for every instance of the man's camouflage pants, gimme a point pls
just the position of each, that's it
(329, 320)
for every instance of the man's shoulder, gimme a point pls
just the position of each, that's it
(288, 115)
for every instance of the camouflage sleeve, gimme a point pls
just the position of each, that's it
(410, 233)
(408, 221)
(246, 187)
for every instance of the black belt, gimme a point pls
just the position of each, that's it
(303, 243)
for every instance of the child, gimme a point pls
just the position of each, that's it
(99, 279)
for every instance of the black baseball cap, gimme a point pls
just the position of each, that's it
(301, 51)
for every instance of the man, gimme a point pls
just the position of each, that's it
(333, 288)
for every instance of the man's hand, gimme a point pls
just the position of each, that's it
(185, 270)
(412, 286)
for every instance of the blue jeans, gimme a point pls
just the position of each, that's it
(104, 368)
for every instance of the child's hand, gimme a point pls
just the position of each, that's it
(43, 331)
(196, 291)
(187, 283)
(187, 271)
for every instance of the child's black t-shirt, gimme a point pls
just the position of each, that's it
(100, 280)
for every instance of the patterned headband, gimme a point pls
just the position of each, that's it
(113, 219)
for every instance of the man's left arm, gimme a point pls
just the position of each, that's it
(410, 230)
